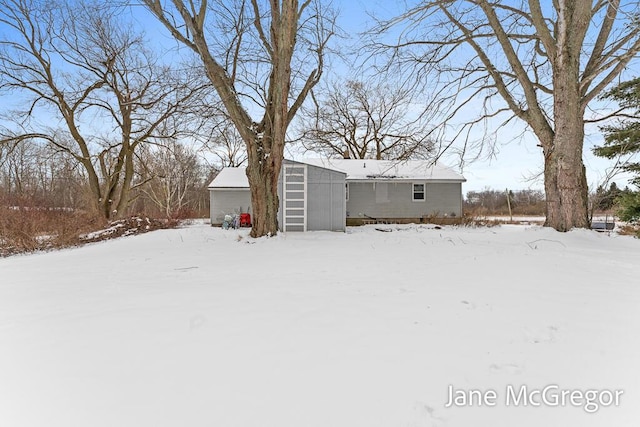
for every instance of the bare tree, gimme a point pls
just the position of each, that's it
(37, 173)
(221, 143)
(499, 202)
(79, 62)
(255, 53)
(172, 173)
(365, 120)
(540, 62)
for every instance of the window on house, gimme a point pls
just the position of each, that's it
(346, 191)
(418, 193)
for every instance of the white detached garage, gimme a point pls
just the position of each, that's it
(311, 197)
(229, 194)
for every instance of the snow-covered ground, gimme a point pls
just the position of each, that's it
(206, 327)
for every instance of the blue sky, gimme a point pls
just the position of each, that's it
(516, 161)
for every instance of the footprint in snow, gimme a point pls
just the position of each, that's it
(509, 368)
(424, 415)
(543, 335)
(470, 305)
(196, 322)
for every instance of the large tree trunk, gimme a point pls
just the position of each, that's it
(266, 152)
(264, 156)
(263, 179)
(565, 182)
(564, 172)
(265, 139)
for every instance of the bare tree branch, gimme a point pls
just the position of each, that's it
(546, 64)
(78, 60)
(260, 78)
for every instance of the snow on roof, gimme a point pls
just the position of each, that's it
(230, 178)
(389, 169)
(356, 170)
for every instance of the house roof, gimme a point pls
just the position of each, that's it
(236, 177)
(389, 170)
(230, 178)
(357, 170)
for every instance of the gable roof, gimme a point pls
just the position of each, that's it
(356, 170)
(236, 177)
(231, 178)
(390, 170)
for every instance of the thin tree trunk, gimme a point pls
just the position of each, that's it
(125, 187)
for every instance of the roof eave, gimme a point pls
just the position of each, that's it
(429, 180)
(228, 188)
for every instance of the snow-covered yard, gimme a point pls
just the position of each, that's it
(204, 327)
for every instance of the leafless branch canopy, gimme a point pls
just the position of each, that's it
(241, 42)
(365, 120)
(489, 58)
(263, 58)
(98, 78)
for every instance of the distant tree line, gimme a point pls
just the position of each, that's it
(496, 202)
(98, 120)
(169, 180)
(605, 200)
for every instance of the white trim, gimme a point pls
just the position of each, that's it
(305, 198)
(409, 170)
(286, 200)
(406, 180)
(413, 192)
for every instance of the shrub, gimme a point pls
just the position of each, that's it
(26, 227)
(30, 228)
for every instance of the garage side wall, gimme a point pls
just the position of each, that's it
(326, 204)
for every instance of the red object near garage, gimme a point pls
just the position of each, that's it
(245, 220)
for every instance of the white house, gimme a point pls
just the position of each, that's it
(327, 194)
(398, 191)
(311, 197)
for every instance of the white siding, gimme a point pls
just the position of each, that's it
(394, 200)
(324, 199)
